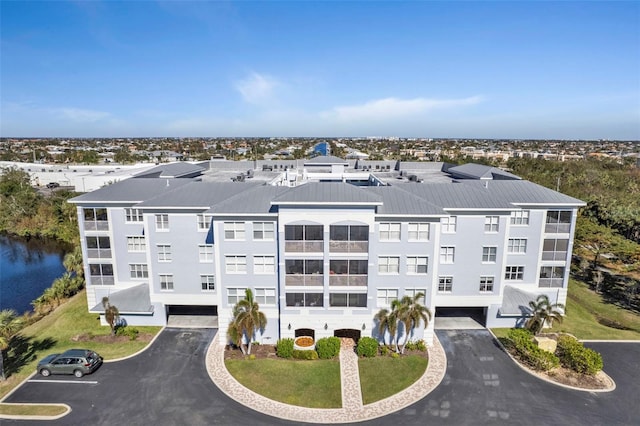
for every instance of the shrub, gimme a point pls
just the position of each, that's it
(328, 347)
(384, 350)
(284, 348)
(252, 357)
(421, 346)
(307, 355)
(395, 355)
(367, 347)
(410, 346)
(575, 356)
(124, 330)
(527, 351)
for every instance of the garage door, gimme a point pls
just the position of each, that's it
(195, 316)
(460, 318)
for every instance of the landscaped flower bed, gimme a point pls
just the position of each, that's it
(304, 343)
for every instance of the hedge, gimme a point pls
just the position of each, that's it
(308, 355)
(575, 356)
(529, 353)
(284, 348)
(328, 347)
(367, 347)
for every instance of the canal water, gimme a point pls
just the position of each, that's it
(27, 267)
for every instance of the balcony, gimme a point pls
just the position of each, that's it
(98, 225)
(554, 255)
(348, 246)
(550, 282)
(557, 228)
(348, 280)
(99, 253)
(102, 280)
(303, 246)
(304, 280)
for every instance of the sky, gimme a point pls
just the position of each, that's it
(482, 69)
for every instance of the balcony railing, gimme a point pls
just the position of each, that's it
(557, 228)
(304, 280)
(348, 246)
(98, 225)
(348, 280)
(99, 253)
(102, 280)
(550, 282)
(304, 246)
(554, 255)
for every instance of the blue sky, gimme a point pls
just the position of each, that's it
(568, 70)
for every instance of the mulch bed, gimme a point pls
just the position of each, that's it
(269, 351)
(108, 338)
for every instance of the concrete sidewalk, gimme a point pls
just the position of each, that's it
(352, 411)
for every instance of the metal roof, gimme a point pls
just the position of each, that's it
(325, 160)
(131, 190)
(173, 170)
(131, 300)
(328, 193)
(198, 194)
(479, 171)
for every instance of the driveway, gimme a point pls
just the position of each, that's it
(165, 385)
(168, 385)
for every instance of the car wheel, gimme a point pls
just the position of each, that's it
(78, 373)
(45, 372)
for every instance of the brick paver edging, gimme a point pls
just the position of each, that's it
(233, 389)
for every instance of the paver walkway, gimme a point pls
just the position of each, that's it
(349, 376)
(352, 410)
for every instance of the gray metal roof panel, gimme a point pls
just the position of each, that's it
(328, 193)
(325, 159)
(398, 200)
(131, 300)
(198, 194)
(131, 190)
(171, 170)
(253, 200)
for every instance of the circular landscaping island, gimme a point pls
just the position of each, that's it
(304, 343)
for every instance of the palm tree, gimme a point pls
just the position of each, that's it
(247, 319)
(411, 312)
(10, 324)
(543, 312)
(388, 321)
(73, 262)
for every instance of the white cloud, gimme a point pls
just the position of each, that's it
(394, 108)
(82, 115)
(257, 88)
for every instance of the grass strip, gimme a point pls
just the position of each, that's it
(32, 409)
(381, 377)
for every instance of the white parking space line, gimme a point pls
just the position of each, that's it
(83, 382)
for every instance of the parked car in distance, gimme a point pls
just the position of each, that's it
(52, 185)
(74, 361)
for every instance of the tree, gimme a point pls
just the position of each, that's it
(598, 279)
(388, 321)
(543, 312)
(247, 319)
(73, 262)
(10, 324)
(111, 314)
(411, 312)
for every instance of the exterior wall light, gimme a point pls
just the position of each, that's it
(364, 326)
(289, 326)
(326, 326)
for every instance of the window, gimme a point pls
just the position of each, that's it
(234, 295)
(101, 273)
(133, 215)
(265, 296)
(558, 222)
(354, 300)
(555, 249)
(264, 265)
(204, 222)
(412, 292)
(235, 264)
(489, 254)
(164, 253)
(96, 219)
(514, 273)
(136, 244)
(305, 299)
(208, 282)
(263, 231)
(388, 265)
(551, 276)
(348, 272)
(162, 222)
(517, 245)
(520, 217)
(98, 247)
(491, 223)
(138, 270)
(445, 284)
(418, 232)
(448, 224)
(166, 282)
(486, 284)
(386, 296)
(447, 254)
(389, 232)
(304, 272)
(303, 238)
(348, 238)
(417, 265)
(205, 253)
(234, 230)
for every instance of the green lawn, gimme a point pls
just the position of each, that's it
(381, 377)
(314, 384)
(54, 334)
(584, 308)
(32, 410)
